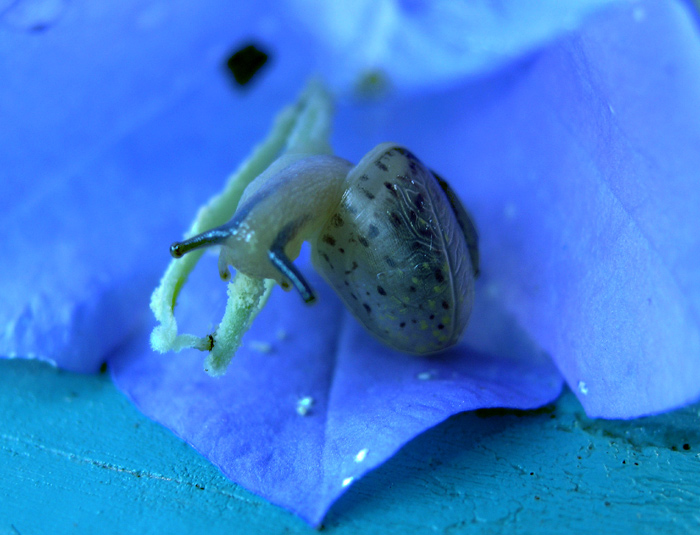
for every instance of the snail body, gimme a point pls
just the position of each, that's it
(388, 235)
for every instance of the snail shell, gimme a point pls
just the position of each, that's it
(388, 235)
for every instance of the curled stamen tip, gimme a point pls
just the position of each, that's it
(176, 250)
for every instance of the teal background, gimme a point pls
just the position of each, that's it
(77, 457)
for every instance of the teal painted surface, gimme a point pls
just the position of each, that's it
(77, 457)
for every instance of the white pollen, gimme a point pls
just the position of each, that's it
(361, 455)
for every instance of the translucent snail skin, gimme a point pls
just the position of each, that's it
(388, 235)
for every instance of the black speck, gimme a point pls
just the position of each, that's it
(245, 63)
(441, 326)
(352, 268)
(381, 291)
(414, 321)
(425, 231)
(389, 262)
(341, 250)
(327, 238)
(364, 178)
(363, 241)
(686, 447)
(395, 219)
(368, 194)
(381, 166)
(412, 288)
(325, 257)
(413, 217)
(346, 283)
(367, 308)
(419, 201)
(337, 220)
(353, 296)
(391, 187)
(445, 305)
(373, 232)
(402, 324)
(439, 276)
(432, 316)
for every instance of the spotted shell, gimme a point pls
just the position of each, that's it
(397, 255)
(388, 235)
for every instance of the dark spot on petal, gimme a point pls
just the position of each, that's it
(412, 288)
(367, 308)
(391, 187)
(363, 241)
(395, 219)
(686, 447)
(346, 283)
(327, 238)
(445, 305)
(432, 316)
(402, 324)
(325, 257)
(389, 262)
(368, 194)
(381, 291)
(441, 326)
(381, 166)
(337, 220)
(341, 250)
(413, 217)
(414, 321)
(245, 62)
(439, 276)
(353, 296)
(373, 232)
(364, 178)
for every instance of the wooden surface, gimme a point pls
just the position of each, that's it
(77, 457)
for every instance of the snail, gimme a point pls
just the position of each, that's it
(388, 235)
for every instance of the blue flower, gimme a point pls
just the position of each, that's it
(570, 132)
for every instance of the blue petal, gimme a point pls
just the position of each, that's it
(367, 401)
(427, 44)
(580, 167)
(115, 124)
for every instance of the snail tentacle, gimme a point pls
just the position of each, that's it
(287, 268)
(211, 237)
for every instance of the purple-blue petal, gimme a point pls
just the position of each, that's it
(366, 398)
(580, 166)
